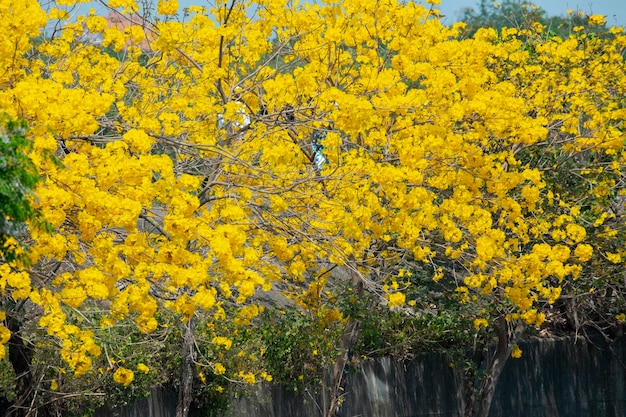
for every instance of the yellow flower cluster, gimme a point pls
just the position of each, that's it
(123, 376)
(222, 341)
(247, 377)
(5, 335)
(516, 352)
(167, 7)
(395, 299)
(478, 323)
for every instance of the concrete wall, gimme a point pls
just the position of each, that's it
(161, 403)
(565, 377)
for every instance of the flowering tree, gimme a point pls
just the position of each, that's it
(254, 146)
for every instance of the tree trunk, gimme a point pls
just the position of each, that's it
(349, 337)
(496, 365)
(185, 389)
(469, 379)
(20, 357)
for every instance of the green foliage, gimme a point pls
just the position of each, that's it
(509, 13)
(7, 379)
(299, 346)
(522, 14)
(399, 334)
(436, 323)
(18, 178)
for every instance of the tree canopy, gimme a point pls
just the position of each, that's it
(522, 14)
(220, 160)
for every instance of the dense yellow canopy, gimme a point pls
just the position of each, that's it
(258, 144)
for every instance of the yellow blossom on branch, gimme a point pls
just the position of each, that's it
(516, 352)
(123, 376)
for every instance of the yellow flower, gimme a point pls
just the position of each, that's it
(559, 253)
(167, 7)
(5, 335)
(143, 368)
(247, 377)
(438, 274)
(596, 19)
(583, 252)
(576, 232)
(55, 13)
(127, 4)
(222, 341)
(614, 257)
(480, 322)
(54, 385)
(138, 140)
(462, 294)
(123, 376)
(485, 249)
(516, 352)
(218, 369)
(395, 299)
(106, 322)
